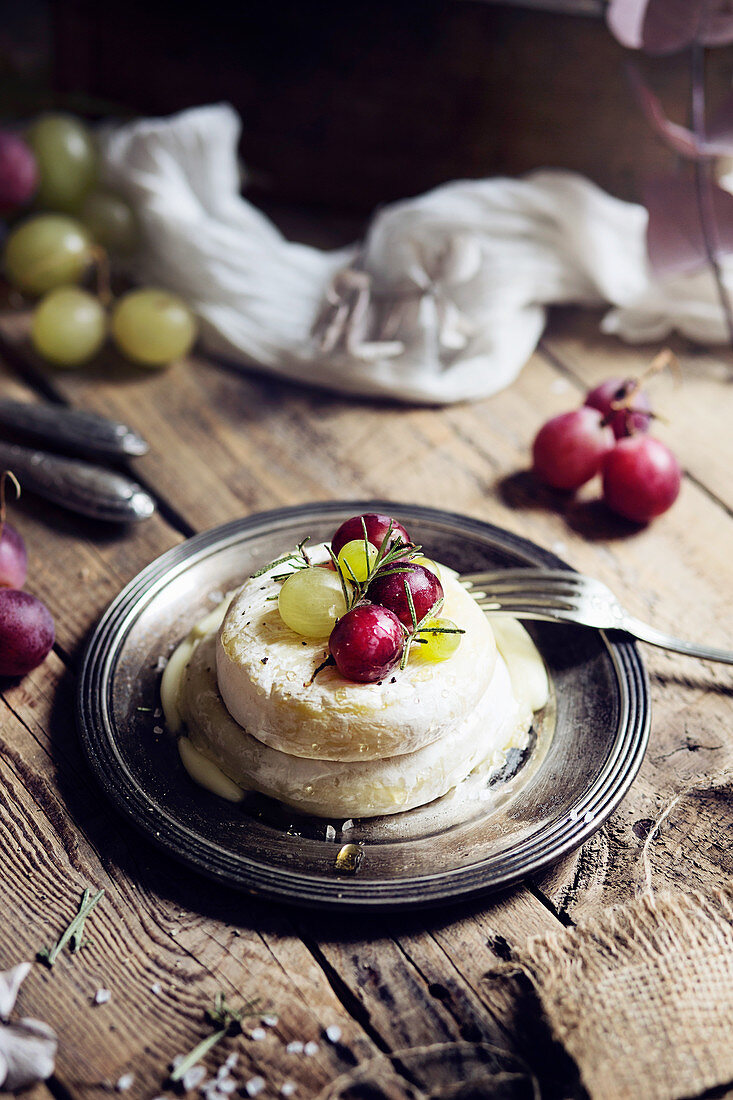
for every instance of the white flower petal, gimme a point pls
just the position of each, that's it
(27, 1050)
(10, 982)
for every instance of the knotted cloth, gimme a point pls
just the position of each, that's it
(445, 298)
(641, 996)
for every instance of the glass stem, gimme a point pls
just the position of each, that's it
(704, 186)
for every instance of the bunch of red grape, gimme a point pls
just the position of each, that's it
(378, 599)
(77, 226)
(26, 626)
(608, 435)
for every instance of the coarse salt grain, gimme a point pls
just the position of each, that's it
(231, 1061)
(156, 988)
(590, 816)
(226, 1085)
(288, 1088)
(347, 826)
(254, 1086)
(295, 1047)
(310, 1048)
(177, 1061)
(258, 1034)
(193, 1077)
(330, 832)
(162, 663)
(333, 1033)
(102, 996)
(125, 1082)
(270, 1020)
(157, 730)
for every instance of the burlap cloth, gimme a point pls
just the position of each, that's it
(641, 996)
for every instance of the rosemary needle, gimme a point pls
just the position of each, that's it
(227, 1021)
(74, 931)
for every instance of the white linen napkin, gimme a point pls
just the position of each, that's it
(443, 301)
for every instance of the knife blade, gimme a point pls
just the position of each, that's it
(83, 432)
(81, 486)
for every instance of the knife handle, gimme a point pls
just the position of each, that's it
(72, 429)
(80, 486)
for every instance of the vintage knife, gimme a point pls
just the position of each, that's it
(81, 486)
(76, 430)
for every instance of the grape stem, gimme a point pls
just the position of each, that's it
(101, 262)
(7, 475)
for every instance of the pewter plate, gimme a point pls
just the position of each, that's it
(586, 747)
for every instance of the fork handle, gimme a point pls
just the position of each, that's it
(646, 633)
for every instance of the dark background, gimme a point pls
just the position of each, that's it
(348, 105)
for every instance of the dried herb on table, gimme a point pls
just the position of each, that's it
(74, 932)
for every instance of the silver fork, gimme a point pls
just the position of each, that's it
(559, 595)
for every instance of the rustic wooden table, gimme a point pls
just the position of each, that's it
(225, 444)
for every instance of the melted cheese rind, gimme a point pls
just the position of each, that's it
(265, 672)
(363, 788)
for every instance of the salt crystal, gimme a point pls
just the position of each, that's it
(573, 815)
(231, 1061)
(333, 1033)
(158, 712)
(270, 1020)
(288, 1088)
(177, 1061)
(102, 996)
(295, 1047)
(258, 1034)
(254, 1086)
(590, 816)
(310, 1048)
(193, 1077)
(125, 1082)
(162, 662)
(347, 826)
(330, 832)
(156, 988)
(227, 1085)
(157, 730)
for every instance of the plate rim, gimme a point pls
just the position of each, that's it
(443, 887)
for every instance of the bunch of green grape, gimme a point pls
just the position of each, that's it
(76, 226)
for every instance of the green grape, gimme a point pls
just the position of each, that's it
(67, 161)
(69, 326)
(47, 251)
(436, 645)
(356, 559)
(153, 327)
(311, 600)
(111, 221)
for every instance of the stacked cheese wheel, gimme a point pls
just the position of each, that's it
(272, 709)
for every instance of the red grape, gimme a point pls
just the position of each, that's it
(389, 590)
(627, 421)
(366, 643)
(18, 172)
(13, 558)
(641, 478)
(377, 526)
(568, 450)
(26, 632)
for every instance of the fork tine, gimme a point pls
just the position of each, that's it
(523, 576)
(522, 602)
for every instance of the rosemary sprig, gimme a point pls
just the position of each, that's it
(411, 638)
(74, 932)
(298, 559)
(227, 1021)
